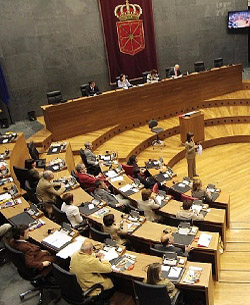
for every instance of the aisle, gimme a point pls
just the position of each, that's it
(228, 166)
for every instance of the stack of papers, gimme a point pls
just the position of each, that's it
(111, 174)
(126, 188)
(119, 178)
(102, 212)
(72, 248)
(196, 208)
(110, 254)
(204, 240)
(57, 240)
(193, 275)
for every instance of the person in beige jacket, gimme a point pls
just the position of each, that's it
(190, 155)
(116, 231)
(89, 270)
(148, 204)
(187, 214)
(46, 192)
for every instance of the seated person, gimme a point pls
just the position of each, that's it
(92, 89)
(175, 72)
(72, 212)
(154, 278)
(4, 232)
(34, 256)
(167, 241)
(148, 204)
(153, 77)
(46, 192)
(87, 180)
(116, 231)
(123, 82)
(140, 173)
(89, 270)
(187, 214)
(91, 159)
(33, 175)
(199, 192)
(132, 161)
(103, 192)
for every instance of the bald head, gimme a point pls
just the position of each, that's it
(87, 247)
(48, 175)
(167, 239)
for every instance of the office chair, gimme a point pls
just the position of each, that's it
(186, 197)
(40, 163)
(59, 215)
(55, 97)
(98, 235)
(21, 175)
(144, 76)
(167, 71)
(175, 194)
(133, 208)
(71, 291)
(199, 66)
(218, 62)
(31, 194)
(28, 274)
(128, 169)
(174, 222)
(153, 126)
(146, 294)
(160, 253)
(83, 89)
(74, 175)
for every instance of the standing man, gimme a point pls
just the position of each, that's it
(175, 72)
(190, 155)
(92, 89)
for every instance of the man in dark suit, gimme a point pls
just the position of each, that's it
(92, 89)
(91, 159)
(175, 72)
(167, 241)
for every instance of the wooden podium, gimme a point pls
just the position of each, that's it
(193, 122)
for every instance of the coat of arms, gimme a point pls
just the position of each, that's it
(130, 29)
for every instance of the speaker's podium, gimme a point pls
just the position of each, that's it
(193, 122)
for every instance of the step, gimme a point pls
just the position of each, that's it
(238, 235)
(235, 261)
(238, 247)
(239, 225)
(229, 276)
(231, 294)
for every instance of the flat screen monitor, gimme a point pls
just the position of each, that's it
(238, 20)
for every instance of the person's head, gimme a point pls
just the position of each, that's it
(81, 168)
(88, 145)
(197, 184)
(145, 194)
(20, 232)
(100, 184)
(153, 72)
(187, 205)
(177, 67)
(154, 273)
(123, 77)
(108, 220)
(30, 163)
(48, 175)
(92, 84)
(190, 136)
(87, 247)
(167, 239)
(136, 172)
(67, 198)
(132, 160)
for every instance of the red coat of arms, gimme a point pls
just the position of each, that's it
(130, 29)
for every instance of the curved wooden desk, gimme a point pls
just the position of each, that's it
(140, 104)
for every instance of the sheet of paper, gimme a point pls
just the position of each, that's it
(119, 178)
(5, 196)
(125, 188)
(197, 208)
(204, 240)
(174, 272)
(111, 174)
(165, 268)
(109, 255)
(181, 184)
(54, 150)
(199, 150)
(159, 199)
(166, 175)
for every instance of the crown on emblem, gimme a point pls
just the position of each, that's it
(128, 11)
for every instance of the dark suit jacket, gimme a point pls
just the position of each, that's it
(171, 249)
(90, 92)
(171, 73)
